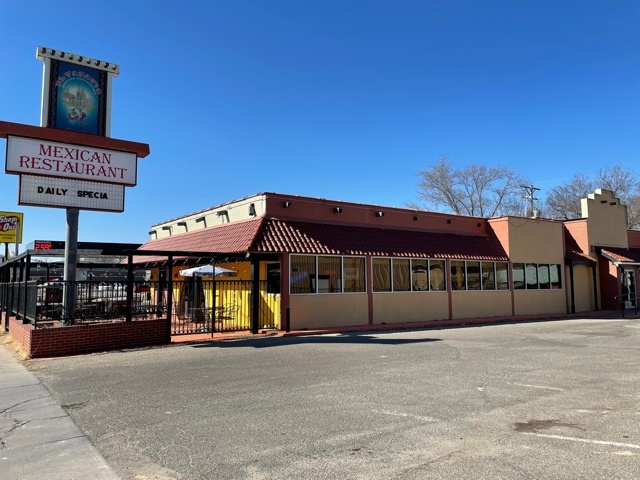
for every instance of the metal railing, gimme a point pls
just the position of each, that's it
(194, 305)
(627, 301)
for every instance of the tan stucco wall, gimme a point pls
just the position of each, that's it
(410, 307)
(481, 304)
(534, 240)
(315, 311)
(528, 302)
(583, 285)
(606, 219)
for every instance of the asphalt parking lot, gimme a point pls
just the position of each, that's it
(543, 400)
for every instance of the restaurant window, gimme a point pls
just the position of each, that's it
(543, 277)
(457, 275)
(488, 276)
(502, 275)
(531, 276)
(329, 275)
(473, 276)
(555, 276)
(401, 275)
(518, 276)
(381, 274)
(354, 274)
(437, 281)
(419, 275)
(303, 274)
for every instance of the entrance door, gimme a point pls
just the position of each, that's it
(270, 309)
(629, 288)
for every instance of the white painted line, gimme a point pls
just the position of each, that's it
(583, 440)
(536, 386)
(399, 414)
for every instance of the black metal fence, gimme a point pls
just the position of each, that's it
(193, 305)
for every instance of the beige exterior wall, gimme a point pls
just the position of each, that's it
(481, 304)
(317, 311)
(410, 307)
(530, 302)
(583, 285)
(227, 213)
(535, 240)
(606, 219)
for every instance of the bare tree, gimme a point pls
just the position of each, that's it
(564, 201)
(475, 190)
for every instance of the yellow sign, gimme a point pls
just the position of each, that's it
(10, 224)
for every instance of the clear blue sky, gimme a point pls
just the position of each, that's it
(340, 99)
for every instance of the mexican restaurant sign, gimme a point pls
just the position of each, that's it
(10, 226)
(52, 159)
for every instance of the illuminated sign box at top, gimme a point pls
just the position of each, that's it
(52, 159)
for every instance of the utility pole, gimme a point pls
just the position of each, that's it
(530, 191)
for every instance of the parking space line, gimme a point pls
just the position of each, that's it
(583, 440)
(400, 414)
(536, 386)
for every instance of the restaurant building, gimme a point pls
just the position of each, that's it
(333, 264)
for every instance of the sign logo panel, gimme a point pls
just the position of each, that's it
(77, 98)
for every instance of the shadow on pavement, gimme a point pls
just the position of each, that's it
(343, 338)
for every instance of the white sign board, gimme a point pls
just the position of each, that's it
(64, 160)
(62, 192)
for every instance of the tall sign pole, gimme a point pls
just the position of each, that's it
(75, 96)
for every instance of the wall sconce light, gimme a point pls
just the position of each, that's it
(415, 218)
(286, 204)
(379, 214)
(252, 210)
(337, 210)
(449, 221)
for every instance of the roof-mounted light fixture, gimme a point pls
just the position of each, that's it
(44, 52)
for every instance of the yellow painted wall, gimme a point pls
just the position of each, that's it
(410, 307)
(583, 284)
(529, 302)
(606, 219)
(316, 311)
(469, 304)
(535, 240)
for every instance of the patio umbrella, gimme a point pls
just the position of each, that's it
(207, 271)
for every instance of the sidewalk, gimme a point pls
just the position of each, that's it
(38, 439)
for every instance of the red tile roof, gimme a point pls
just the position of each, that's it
(278, 236)
(315, 238)
(235, 237)
(622, 255)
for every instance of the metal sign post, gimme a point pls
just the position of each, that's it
(70, 263)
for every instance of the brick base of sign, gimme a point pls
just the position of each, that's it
(77, 339)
